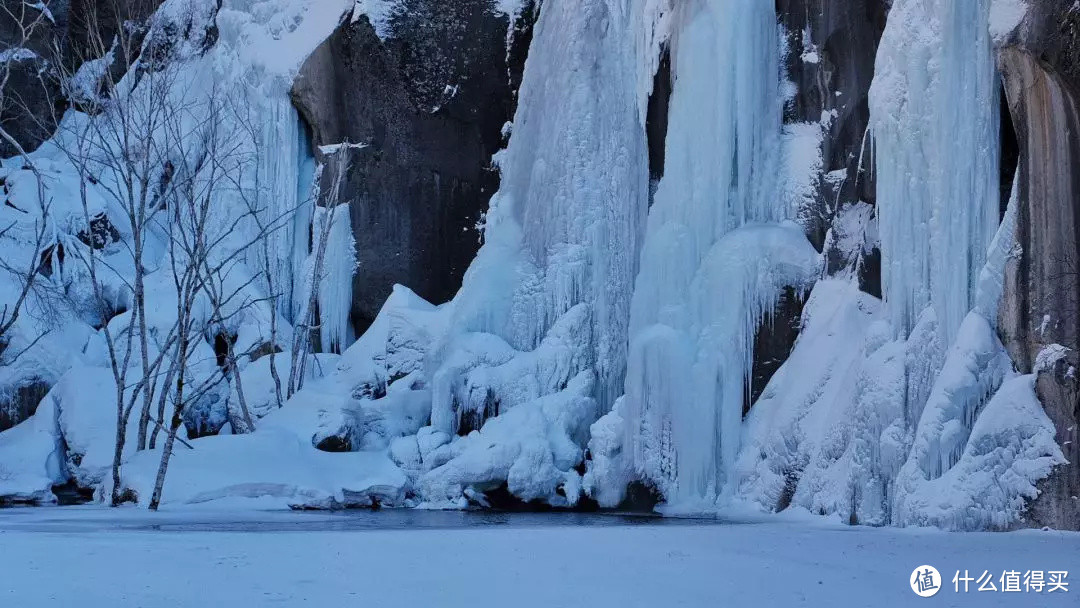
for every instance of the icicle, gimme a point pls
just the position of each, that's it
(565, 226)
(300, 247)
(700, 294)
(934, 115)
(281, 184)
(992, 276)
(687, 376)
(335, 284)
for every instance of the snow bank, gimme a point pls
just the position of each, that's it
(862, 426)
(532, 448)
(610, 469)
(974, 368)
(804, 417)
(1011, 447)
(271, 465)
(32, 458)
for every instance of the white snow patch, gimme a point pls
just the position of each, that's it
(378, 13)
(1005, 16)
(32, 457)
(271, 464)
(1011, 447)
(1049, 356)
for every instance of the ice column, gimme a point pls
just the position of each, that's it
(702, 288)
(335, 284)
(934, 115)
(280, 184)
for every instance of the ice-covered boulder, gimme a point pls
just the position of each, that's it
(1011, 448)
(609, 468)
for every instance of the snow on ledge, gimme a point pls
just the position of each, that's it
(1005, 16)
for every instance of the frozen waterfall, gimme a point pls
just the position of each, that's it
(565, 226)
(934, 116)
(710, 269)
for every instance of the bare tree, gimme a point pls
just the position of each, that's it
(132, 149)
(119, 151)
(165, 154)
(203, 251)
(27, 22)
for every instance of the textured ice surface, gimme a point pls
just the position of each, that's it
(702, 289)
(1010, 447)
(934, 116)
(688, 370)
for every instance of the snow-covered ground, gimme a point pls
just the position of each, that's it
(99, 557)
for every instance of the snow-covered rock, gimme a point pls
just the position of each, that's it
(270, 465)
(533, 448)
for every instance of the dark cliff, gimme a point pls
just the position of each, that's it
(428, 103)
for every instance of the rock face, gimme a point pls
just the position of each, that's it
(92, 24)
(428, 102)
(1040, 67)
(830, 60)
(31, 98)
(19, 403)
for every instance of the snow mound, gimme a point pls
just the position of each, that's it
(610, 469)
(271, 465)
(32, 458)
(804, 418)
(533, 448)
(1011, 448)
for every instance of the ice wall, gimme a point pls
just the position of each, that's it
(258, 52)
(934, 117)
(281, 189)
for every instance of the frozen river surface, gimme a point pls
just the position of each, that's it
(95, 557)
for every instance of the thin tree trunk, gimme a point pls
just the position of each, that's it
(162, 401)
(273, 351)
(148, 384)
(174, 426)
(118, 452)
(233, 371)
